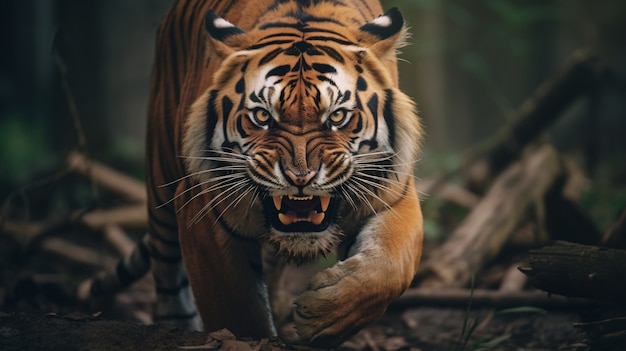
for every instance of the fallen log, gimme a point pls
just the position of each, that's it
(483, 233)
(578, 271)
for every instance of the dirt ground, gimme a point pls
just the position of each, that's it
(39, 312)
(416, 329)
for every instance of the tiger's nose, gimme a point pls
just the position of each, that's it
(300, 179)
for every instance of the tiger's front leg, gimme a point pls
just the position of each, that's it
(224, 271)
(356, 291)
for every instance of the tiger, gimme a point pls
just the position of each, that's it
(277, 134)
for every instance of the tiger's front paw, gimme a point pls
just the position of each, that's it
(339, 302)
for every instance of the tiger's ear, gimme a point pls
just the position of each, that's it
(224, 37)
(384, 34)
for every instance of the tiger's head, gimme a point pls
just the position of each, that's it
(303, 127)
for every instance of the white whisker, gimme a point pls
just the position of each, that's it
(214, 202)
(229, 187)
(361, 197)
(380, 187)
(235, 202)
(375, 196)
(204, 191)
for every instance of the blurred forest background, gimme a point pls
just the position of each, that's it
(470, 65)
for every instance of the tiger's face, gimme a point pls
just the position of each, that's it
(300, 125)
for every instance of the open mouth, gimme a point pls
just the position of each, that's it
(289, 213)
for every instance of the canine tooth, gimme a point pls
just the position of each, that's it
(284, 219)
(278, 200)
(317, 218)
(324, 201)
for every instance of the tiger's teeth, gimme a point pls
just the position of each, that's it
(278, 201)
(284, 219)
(324, 201)
(317, 218)
(301, 198)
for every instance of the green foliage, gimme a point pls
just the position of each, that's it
(464, 341)
(604, 201)
(23, 149)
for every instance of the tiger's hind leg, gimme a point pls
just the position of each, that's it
(175, 304)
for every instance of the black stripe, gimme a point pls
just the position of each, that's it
(270, 56)
(96, 288)
(169, 242)
(156, 221)
(326, 38)
(306, 18)
(158, 256)
(359, 125)
(324, 68)
(227, 106)
(144, 251)
(389, 118)
(240, 129)
(211, 118)
(361, 84)
(370, 104)
(281, 35)
(332, 53)
(240, 87)
(267, 43)
(172, 291)
(278, 71)
(323, 30)
(123, 275)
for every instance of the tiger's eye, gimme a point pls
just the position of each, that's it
(262, 116)
(338, 116)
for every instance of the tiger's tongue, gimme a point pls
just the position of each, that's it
(301, 210)
(291, 217)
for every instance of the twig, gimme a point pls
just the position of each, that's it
(513, 279)
(78, 253)
(73, 109)
(416, 297)
(108, 177)
(116, 236)
(135, 216)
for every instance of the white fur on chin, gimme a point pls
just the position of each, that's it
(304, 247)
